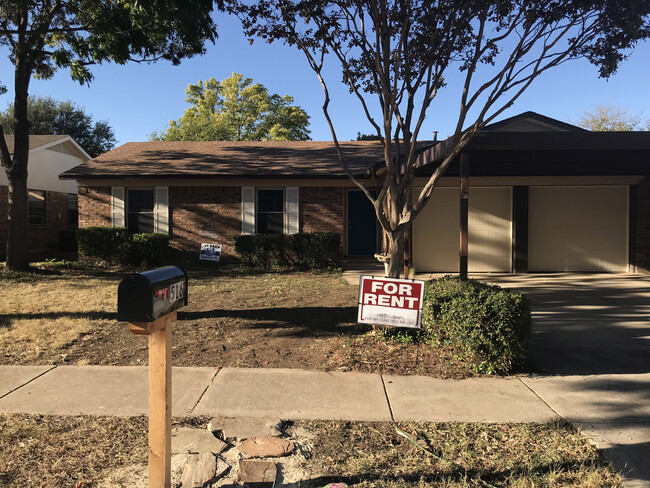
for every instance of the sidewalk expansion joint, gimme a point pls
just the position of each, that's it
(539, 397)
(27, 383)
(390, 409)
(204, 390)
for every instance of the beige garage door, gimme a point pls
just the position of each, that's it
(579, 228)
(436, 231)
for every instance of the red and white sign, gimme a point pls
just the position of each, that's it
(389, 301)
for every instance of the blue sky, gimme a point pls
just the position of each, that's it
(137, 99)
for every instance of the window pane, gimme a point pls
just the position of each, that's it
(140, 216)
(73, 214)
(270, 201)
(36, 206)
(270, 223)
(140, 201)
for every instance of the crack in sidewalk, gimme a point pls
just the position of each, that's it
(539, 397)
(27, 383)
(390, 409)
(205, 390)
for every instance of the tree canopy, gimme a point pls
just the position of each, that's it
(397, 56)
(48, 35)
(49, 116)
(236, 109)
(612, 118)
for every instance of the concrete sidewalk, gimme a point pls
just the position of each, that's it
(284, 393)
(612, 409)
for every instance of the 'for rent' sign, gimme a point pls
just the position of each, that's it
(388, 301)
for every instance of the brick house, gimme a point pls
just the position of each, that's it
(52, 203)
(543, 196)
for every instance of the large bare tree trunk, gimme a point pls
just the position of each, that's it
(396, 255)
(17, 174)
(17, 232)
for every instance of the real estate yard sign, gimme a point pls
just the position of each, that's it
(210, 252)
(388, 301)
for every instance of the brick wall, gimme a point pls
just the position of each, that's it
(216, 209)
(47, 237)
(643, 226)
(197, 210)
(94, 206)
(321, 209)
(42, 238)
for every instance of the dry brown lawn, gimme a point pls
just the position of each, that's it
(56, 452)
(235, 318)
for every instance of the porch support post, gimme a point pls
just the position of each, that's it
(408, 250)
(520, 202)
(464, 213)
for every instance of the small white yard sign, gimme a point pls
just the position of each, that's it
(210, 252)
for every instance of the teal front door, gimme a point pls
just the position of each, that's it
(362, 225)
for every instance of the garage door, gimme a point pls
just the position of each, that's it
(436, 231)
(579, 228)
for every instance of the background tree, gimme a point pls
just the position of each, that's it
(397, 55)
(49, 116)
(368, 137)
(612, 118)
(47, 35)
(236, 109)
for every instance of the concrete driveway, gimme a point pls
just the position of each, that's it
(590, 352)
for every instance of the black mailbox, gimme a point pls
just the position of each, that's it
(145, 297)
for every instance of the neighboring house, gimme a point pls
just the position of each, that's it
(52, 202)
(543, 196)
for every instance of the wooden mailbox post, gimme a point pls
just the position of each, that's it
(148, 301)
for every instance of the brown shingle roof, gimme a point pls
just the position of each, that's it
(34, 140)
(229, 159)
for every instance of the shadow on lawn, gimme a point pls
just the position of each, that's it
(320, 318)
(476, 477)
(5, 319)
(314, 318)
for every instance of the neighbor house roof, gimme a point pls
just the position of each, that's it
(231, 159)
(36, 140)
(546, 153)
(531, 121)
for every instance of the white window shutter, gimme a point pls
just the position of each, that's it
(162, 210)
(247, 210)
(292, 195)
(117, 206)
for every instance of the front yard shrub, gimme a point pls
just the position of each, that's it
(262, 250)
(144, 249)
(101, 242)
(489, 326)
(116, 245)
(315, 250)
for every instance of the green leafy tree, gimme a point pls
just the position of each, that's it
(397, 56)
(236, 109)
(611, 118)
(49, 116)
(48, 35)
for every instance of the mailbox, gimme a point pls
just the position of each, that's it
(145, 297)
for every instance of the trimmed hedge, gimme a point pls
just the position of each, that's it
(144, 249)
(116, 245)
(313, 250)
(316, 250)
(489, 326)
(101, 242)
(262, 250)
